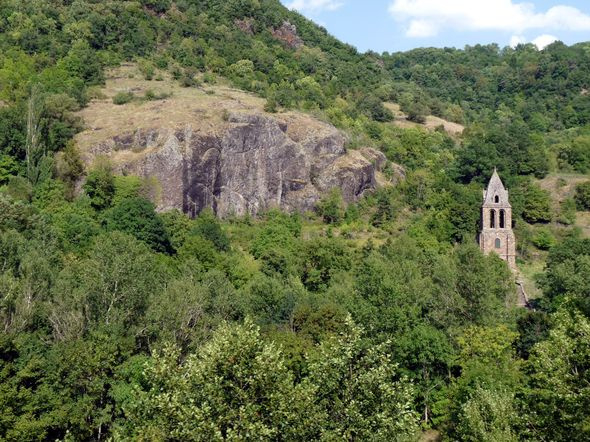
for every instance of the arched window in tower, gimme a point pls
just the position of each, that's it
(496, 199)
(498, 243)
(502, 218)
(493, 219)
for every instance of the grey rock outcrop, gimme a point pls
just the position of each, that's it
(253, 163)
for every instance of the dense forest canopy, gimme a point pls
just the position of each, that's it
(374, 321)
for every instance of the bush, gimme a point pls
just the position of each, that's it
(146, 68)
(331, 208)
(544, 239)
(372, 107)
(100, 186)
(582, 196)
(150, 95)
(207, 226)
(567, 212)
(8, 168)
(123, 98)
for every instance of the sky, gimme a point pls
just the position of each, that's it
(399, 25)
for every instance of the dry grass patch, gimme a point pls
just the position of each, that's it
(431, 123)
(583, 223)
(202, 108)
(562, 185)
(528, 272)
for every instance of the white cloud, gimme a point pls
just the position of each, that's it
(544, 40)
(425, 18)
(540, 42)
(515, 40)
(422, 28)
(314, 6)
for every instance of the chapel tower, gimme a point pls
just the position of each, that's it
(496, 233)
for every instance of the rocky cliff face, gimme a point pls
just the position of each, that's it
(218, 149)
(254, 164)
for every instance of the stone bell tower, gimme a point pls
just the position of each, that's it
(496, 222)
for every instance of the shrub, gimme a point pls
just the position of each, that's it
(582, 196)
(150, 95)
(567, 212)
(100, 186)
(146, 68)
(331, 208)
(123, 98)
(8, 168)
(544, 239)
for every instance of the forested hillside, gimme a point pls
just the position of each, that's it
(377, 320)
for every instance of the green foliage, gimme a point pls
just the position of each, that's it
(567, 213)
(8, 168)
(204, 397)
(146, 68)
(209, 228)
(137, 217)
(100, 186)
(323, 259)
(567, 274)
(582, 196)
(557, 391)
(123, 98)
(69, 166)
(111, 286)
(360, 391)
(484, 393)
(235, 386)
(532, 203)
(331, 207)
(488, 415)
(83, 303)
(544, 239)
(201, 249)
(577, 154)
(373, 108)
(385, 211)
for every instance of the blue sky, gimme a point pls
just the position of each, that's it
(399, 25)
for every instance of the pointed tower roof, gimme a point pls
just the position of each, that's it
(496, 194)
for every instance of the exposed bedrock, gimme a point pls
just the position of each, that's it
(255, 162)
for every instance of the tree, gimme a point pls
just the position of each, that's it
(559, 375)
(100, 186)
(331, 207)
(483, 396)
(83, 62)
(137, 217)
(484, 283)
(488, 415)
(373, 108)
(207, 226)
(537, 205)
(111, 286)
(567, 277)
(38, 164)
(323, 259)
(8, 168)
(582, 197)
(385, 212)
(69, 166)
(360, 391)
(235, 387)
